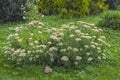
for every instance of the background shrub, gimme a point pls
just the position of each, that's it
(110, 19)
(71, 8)
(73, 44)
(49, 7)
(78, 8)
(12, 9)
(113, 4)
(97, 6)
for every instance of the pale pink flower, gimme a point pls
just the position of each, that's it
(77, 39)
(31, 23)
(86, 46)
(93, 46)
(90, 59)
(78, 58)
(36, 42)
(39, 27)
(49, 43)
(75, 50)
(95, 30)
(71, 35)
(61, 34)
(48, 69)
(69, 48)
(64, 58)
(43, 46)
(102, 37)
(17, 29)
(60, 44)
(86, 26)
(87, 37)
(22, 54)
(63, 50)
(53, 49)
(88, 54)
(78, 31)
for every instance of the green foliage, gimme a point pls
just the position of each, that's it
(113, 4)
(97, 6)
(12, 9)
(71, 8)
(75, 8)
(110, 19)
(74, 44)
(49, 7)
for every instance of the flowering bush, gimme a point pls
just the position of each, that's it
(72, 44)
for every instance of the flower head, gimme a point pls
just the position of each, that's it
(75, 50)
(77, 31)
(77, 39)
(31, 23)
(64, 58)
(90, 59)
(71, 35)
(48, 69)
(78, 58)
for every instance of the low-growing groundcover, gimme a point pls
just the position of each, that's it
(108, 70)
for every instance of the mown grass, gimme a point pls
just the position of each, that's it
(108, 70)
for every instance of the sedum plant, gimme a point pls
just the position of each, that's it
(74, 44)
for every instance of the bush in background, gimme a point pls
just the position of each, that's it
(12, 9)
(74, 44)
(71, 8)
(75, 8)
(97, 6)
(110, 19)
(113, 4)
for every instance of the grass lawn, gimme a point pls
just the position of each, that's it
(108, 70)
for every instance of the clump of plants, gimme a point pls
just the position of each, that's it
(74, 44)
(110, 19)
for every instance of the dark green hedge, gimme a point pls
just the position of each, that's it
(113, 4)
(12, 9)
